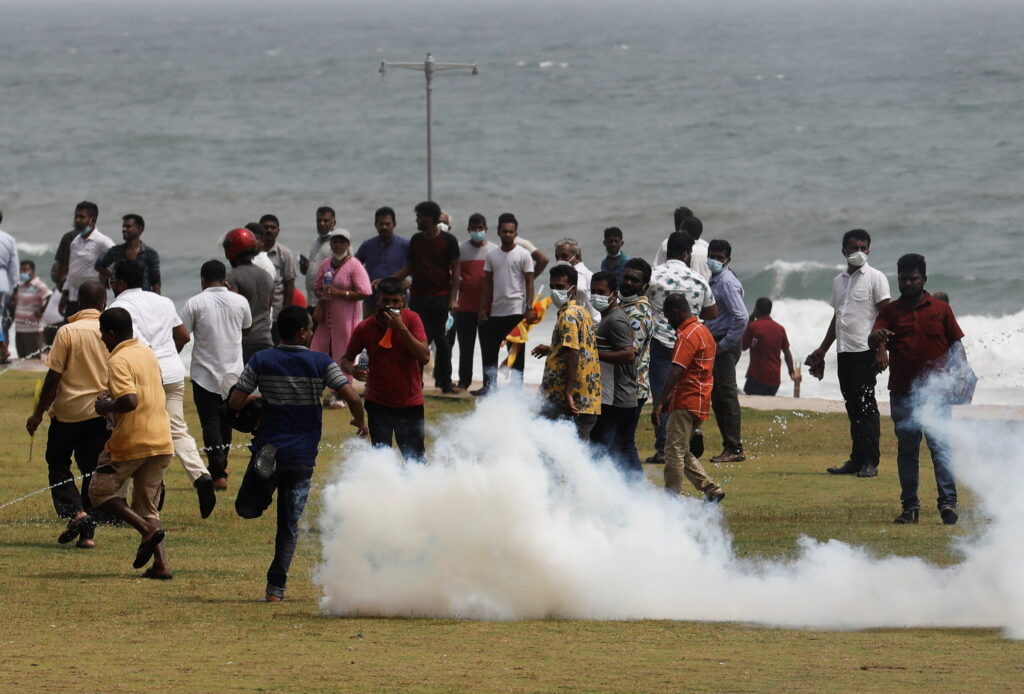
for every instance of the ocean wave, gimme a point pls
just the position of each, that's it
(33, 249)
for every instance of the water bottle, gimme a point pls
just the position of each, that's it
(328, 278)
(363, 360)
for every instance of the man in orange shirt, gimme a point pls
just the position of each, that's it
(140, 446)
(686, 398)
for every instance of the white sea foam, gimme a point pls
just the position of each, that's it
(517, 522)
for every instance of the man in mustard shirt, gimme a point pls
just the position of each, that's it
(140, 446)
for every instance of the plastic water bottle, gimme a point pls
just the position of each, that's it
(363, 360)
(328, 278)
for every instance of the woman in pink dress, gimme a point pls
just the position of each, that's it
(340, 298)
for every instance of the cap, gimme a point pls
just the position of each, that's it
(339, 232)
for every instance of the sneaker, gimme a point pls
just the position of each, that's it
(868, 470)
(847, 468)
(207, 497)
(908, 517)
(656, 459)
(949, 515)
(729, 457)
(266, 461)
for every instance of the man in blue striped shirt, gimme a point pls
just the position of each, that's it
(291, 380)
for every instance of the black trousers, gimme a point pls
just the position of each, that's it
(856, 371)
(404, 424)
(433, 311)
(216, 430)
(83, 439)
(492, 333)
(466, 329)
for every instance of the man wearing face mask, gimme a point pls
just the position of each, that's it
(727, 329)
(77, 262)
(569, 251)
(615, 260)
(632, 299)
(858, 293)
(472, 313)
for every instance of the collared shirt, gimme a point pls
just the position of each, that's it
(765, 339)
(855, 298)
(641, 320)
(149, 258)
(618, 381)
(584, 275)
(698, 257)
(616, 265)
(395, 377)
(82, 256)
(383, 259)
(573, 330)
(80, 357)
(154, 319)
(674, 277)
(923, 336)
(694, 351)
(319, 251)
(284, 271)
(9, 265)
(146, 430)
(727, 328)
(216, 317)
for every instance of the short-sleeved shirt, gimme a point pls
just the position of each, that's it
(146, 430)
(584, 275)
(258, 288)
(147, 256)
(573, 330)
(83, 253)
(29, 305)
(154, 319)
(383, 259)
(618, 381)
(9, 263)
(765, 339)
(284, 271)
(698, 257)
(855, 298)
(923, 336)
(641, 320)
(695, 352)
(430, 260)
(674, 277)
(291, 379)
(80, 357)
(395, 377)
(616, 265)
(216, 318)
(471, 274)
(509, 268)
(530, 248)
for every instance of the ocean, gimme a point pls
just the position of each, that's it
(780, 124)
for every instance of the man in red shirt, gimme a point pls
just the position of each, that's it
(919, 332)
(765, 339)
(396, 343)
(686, 398)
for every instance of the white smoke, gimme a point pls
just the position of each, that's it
(512, 519)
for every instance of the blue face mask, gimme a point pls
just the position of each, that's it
(601, 303)
(477, 236)
(25, 277)
(716, 266)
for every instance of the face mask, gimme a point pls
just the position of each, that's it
(25, 277)
(616, 254)
(857, 259)
(601, 303)
(559, 297)
(477, 236)
(715, 266)
(85, 231)
(441, 226)
(341, 256)
(627, 298)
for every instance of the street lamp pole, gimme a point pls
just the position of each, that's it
(429, 67)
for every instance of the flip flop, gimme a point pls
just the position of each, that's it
(146, 549)
(149, 573)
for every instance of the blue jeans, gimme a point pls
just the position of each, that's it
(661, 363)
(254, 497)
(909, 430)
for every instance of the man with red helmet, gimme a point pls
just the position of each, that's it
(240, 247)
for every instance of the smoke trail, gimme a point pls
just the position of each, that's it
(513, 520)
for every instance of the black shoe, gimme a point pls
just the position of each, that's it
(847, 468)
(949, 515)
(656, 459)
(207, 497)
(266, 461)
(908, 517)
(480, 392)
(697, 443)
(868, 470)
(82, 525)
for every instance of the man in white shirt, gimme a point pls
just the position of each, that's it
(858, 292)
(156, 323)
(284, 265)
(9, 267)
(318, 252)
(84, 249)
(693, 227)
(217, 318)
(540, 259)
(507, 299)
(568, 251)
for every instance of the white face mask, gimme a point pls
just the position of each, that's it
(601, 303)
(628, 298)
(441, 226)
(857, 259)
(341, 256)
(559, 297)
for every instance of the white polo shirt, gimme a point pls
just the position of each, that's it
(216, 318)
(154, 319)
(698, 257)
(83, 254)
(855, 299)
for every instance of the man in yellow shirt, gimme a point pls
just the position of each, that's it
(140, 446)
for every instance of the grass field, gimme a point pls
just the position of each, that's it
(84, 621)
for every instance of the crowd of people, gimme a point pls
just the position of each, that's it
(264, 353)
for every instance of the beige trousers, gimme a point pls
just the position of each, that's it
(184, 444)
(678, 459)
(146, 474)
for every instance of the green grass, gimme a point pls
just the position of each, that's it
(83, 621)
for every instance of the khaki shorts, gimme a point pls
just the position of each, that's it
(147, 475)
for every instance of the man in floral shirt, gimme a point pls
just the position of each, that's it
(571, 385)
(635, 278)
(673, 277)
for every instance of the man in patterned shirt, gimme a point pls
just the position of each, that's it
(571, 385)
(673, 277)
(632, 299)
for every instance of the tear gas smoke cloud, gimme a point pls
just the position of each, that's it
(513, 520)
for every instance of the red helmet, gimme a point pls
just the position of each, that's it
(239, 241)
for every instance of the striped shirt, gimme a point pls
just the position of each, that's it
(695, 352)
(291, 380)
